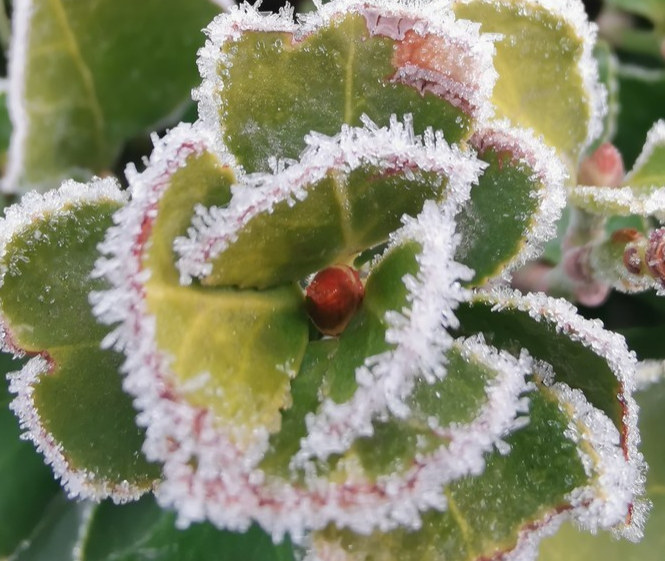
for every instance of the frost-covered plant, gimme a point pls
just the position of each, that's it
(298, 318)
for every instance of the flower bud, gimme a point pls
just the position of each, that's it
(604, 168)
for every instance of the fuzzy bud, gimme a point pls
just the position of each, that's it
(604, 168)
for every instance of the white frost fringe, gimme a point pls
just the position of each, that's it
(390, 148)
(79, 484)
(223, 484)
(573, 14)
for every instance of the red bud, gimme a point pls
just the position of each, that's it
(333, 298)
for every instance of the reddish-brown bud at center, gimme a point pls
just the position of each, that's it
(333, 298)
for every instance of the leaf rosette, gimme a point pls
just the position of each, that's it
(385, 136)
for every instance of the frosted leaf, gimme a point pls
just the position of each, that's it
(41, 237)
(610, 346)
(33, 207)
(208, 474)
(419, 334)
(81, 484)
(461, 73)
(524, 190)
(569, 20)
(393, 149)
(617, 480)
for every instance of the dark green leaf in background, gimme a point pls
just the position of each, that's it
(95, 74)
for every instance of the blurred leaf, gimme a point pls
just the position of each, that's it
(26, 484)
(642, 192)
(647, 342)
(57, 536)
(143, 531)
(93, 75)
(650, 9)
(5, 128)
(608, 68)
(641, 92)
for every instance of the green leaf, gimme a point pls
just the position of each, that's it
(241, 346)
(541, 61)
(26, 484)
(608, 69)
(143, 531)
(651, 9)
(485, 512)
(551, 331)
(57, 535)
(337, 201)
(116, 69)
(342, 215)
(572, 545)
(5, 126)
(70, 398)
(640, 93)
(345, 67)
(512, 208)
